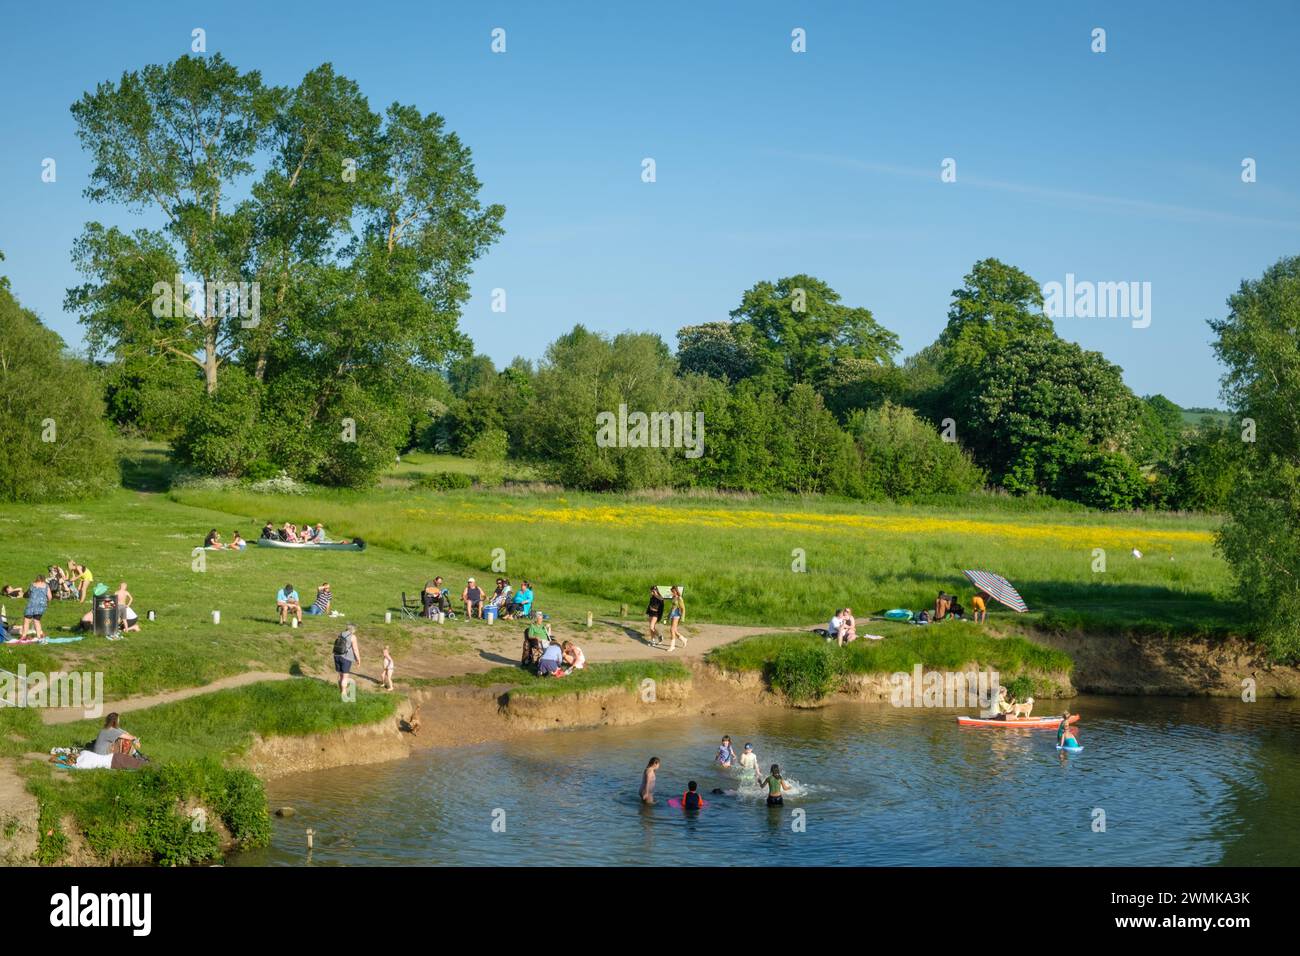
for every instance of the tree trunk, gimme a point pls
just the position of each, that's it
(210, 359)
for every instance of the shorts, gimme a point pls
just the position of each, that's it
(34, 617)
(342, 664)
(547, 667)
(675, 613)
(775, 801)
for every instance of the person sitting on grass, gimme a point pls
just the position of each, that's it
(113, 739)
(552, 657)
(941, 605)
(213, 540)
(286, 603)
(536, 636)
(323, 598)
(574, 659)
(472, 598)
(237, 542)
(848, 627)
(836, 622)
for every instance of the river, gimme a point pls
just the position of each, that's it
(1190, 782)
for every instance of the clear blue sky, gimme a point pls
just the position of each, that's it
(1116, 166)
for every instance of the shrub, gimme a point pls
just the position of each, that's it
(806, 673)
(59, 444)
(444, 481)
(1021, 687)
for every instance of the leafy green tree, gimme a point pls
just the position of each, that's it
(58, 442)
(904, 457)
(488, 449)
(1206, 467)
(798, 330)
(1043, 406)
(997, 304)
(717, 349)
(348, 257)
(1258, 343)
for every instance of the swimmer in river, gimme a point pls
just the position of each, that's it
(648, 781)
(776, 787)
(1065, 734)
(749, 763)
(726, 753)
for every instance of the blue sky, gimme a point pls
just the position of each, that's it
(1120, 166)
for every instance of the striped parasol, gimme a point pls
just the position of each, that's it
(998, 588)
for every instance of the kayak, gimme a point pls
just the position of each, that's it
(1022, 723)
(298, 546)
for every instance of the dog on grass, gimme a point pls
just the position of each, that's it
(413, 722)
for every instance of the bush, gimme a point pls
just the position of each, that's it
(806, 673)
(444, 481)
(58, 442)
(225, 434)
(1020, 688)
(903, 456)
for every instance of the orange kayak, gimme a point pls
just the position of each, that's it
(1014, 723)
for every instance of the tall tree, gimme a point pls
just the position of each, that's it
(1259, 345)
(798, 329)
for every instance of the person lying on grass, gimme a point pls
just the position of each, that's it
(286, 603)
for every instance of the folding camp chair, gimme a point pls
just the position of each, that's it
(411, 610)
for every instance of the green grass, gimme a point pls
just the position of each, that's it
(599, 676)
(736, 555)
(940, 646)
(143, 817)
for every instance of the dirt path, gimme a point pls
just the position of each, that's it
(68, 715)
(493, 646)
(501, 644)
(19, 818)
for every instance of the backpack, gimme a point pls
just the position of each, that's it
(342, 645)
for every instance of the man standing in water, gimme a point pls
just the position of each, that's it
(648, 781)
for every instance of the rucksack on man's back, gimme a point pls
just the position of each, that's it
(342, 644)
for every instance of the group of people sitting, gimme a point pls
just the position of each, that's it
(843, 626)
(290, 532)
(213, 541)
(946, 605)
(509, 604)
(547, 656)
(288, 605)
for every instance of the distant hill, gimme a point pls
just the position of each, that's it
(1193, 416)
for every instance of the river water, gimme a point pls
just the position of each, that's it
(1160, 782)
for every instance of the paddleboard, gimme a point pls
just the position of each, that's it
(1031, 723)
(1070, 750)
(899, 614)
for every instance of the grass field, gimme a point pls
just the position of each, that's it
(782, 563)
(737, 557)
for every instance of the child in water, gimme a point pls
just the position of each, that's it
(776, 787)
(1065, 733)
(648, 781)
(726, 753)
(691, 799)
(749, 763)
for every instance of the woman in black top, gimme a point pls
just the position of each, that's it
(654, 611)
